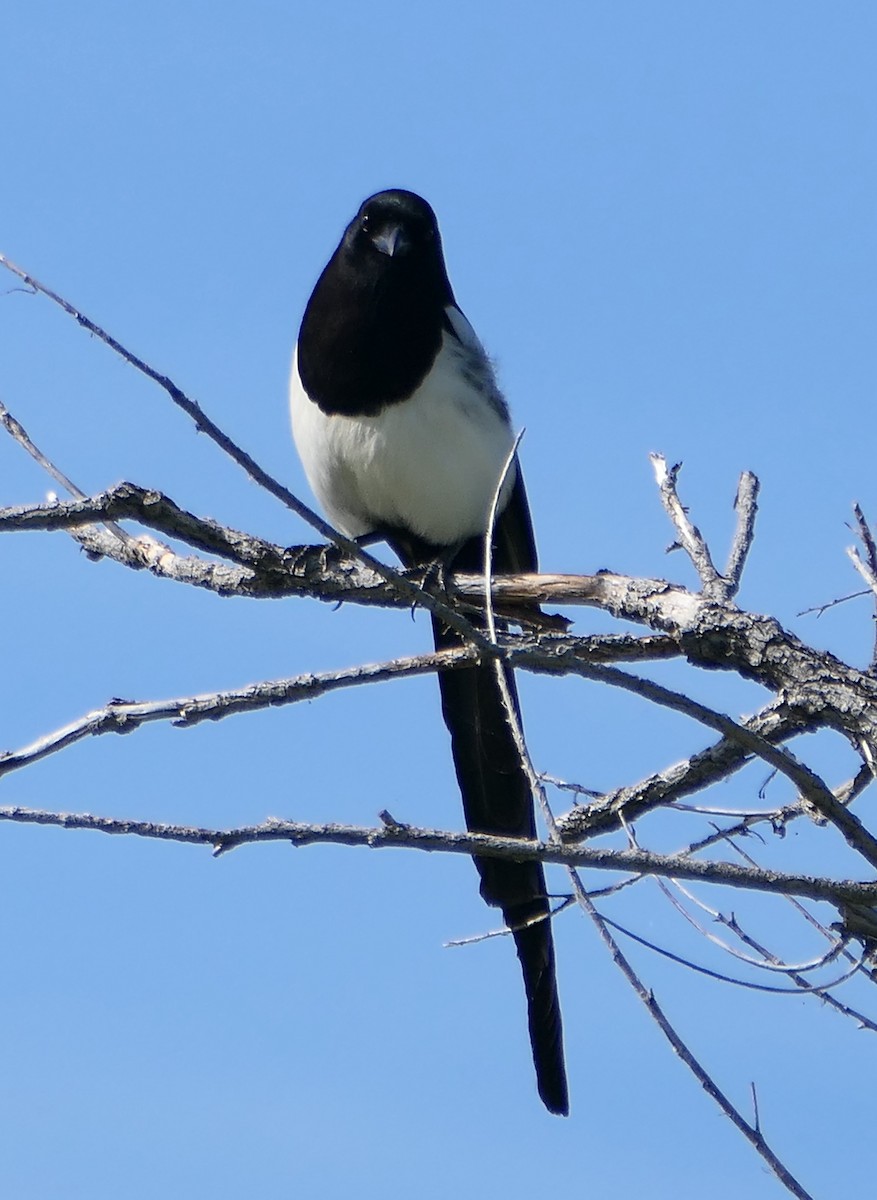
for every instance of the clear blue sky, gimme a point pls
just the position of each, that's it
(661, 220)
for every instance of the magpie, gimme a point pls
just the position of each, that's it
(403, 434)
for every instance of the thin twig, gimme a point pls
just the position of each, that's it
(819, 609)
(832, 1001)
(778, 818)
(870, 547)
(512, 715)
(794, 971)
(17, 431)
(509, 930)
(489, 533)
(767, 961)
(706, 810)
(752, 1133)
(845, 1010)
(721, 977)
(808, 916)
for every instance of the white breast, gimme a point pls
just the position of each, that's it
(429, 465)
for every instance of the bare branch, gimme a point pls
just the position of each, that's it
(766, 960)
(690, 537)
(16, 430)
(152, 509)
(819, 609)
(825, 996)
(662, 603)
(774, 723)
(868, 568)
(746, 506)
(806, 780)
(512, 715)
(402, 836)
(817, 989)
(122, 716)
(778, 818)
(863, 568)
(752, 1133)
(867, 538)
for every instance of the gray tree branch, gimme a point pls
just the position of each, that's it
(395, 834)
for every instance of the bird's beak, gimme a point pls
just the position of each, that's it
(391, 240)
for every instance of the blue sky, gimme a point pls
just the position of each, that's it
(660, 219)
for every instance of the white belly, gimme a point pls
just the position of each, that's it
(430, 464)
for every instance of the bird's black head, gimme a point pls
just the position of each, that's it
(374, 323)
(397, 225)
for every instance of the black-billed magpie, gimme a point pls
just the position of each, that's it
(403, 434)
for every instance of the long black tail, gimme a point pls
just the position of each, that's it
(497, 799)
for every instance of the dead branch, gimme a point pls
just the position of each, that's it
(402, 836)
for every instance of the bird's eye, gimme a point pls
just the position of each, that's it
(364, 223)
